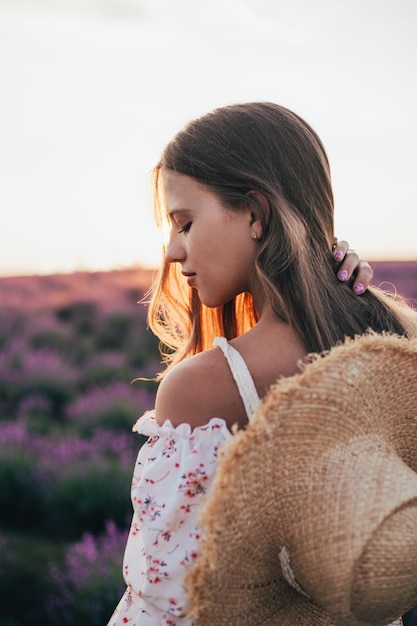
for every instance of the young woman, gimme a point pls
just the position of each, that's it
(247, 289)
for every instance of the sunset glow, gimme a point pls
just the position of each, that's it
(91, 91)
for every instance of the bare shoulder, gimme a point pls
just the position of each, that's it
(197, 389)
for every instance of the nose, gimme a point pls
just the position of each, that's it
(175, 252)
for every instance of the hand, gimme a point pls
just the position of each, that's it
(352, 265)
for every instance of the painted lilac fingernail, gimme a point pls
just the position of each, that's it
(358, 289)
(342, 275)
(338, 255)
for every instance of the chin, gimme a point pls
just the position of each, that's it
(210, 304)
(214, 303)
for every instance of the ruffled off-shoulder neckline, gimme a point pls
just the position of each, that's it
(147, 425)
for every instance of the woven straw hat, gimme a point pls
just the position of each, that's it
(312, 517)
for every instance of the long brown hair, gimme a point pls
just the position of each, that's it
(263, 147)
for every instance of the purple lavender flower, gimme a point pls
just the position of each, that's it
(115, 406)
(89, 584)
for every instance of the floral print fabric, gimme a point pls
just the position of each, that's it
(174, 470)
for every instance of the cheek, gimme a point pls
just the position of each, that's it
(220, 240)
(208, 243)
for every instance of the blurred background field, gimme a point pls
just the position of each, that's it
(70, 345)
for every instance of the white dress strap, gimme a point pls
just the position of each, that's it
(241, 375)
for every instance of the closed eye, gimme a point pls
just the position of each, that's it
(185, 228)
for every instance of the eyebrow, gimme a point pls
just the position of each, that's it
(172, 213)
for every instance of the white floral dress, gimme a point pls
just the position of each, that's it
(173, 472)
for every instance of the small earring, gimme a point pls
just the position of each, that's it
(254, 236)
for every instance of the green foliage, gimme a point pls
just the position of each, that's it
(24, 577)
(114, 331)
(80, 315)
(91, 492)
(52, 340)
(117, 416)
(100, 374)
(60, 391)
(20, 493)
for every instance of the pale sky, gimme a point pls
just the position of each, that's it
(92, 90)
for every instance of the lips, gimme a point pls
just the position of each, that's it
(190, 276)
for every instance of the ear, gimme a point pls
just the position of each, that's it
(260, 212)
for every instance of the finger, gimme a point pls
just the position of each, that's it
(348, 266)
(340, 249)
(364, 274)
(359, 269)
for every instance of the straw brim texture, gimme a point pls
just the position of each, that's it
(312, 516)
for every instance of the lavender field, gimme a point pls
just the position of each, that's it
(69, 349)
(70, 346)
